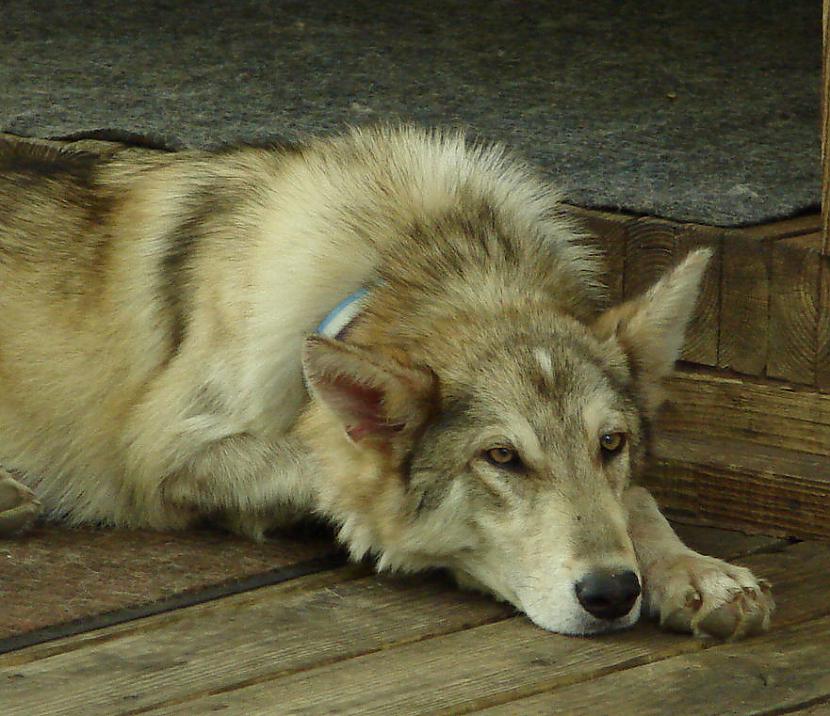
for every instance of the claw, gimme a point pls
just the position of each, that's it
(693, 599)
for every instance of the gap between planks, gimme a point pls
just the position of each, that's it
(168, 619)
(209, 593)
(230, 656)
(494, 663)
(779, 672)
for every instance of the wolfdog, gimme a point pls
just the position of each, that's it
(394, 328)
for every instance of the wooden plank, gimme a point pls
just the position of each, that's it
(653, 247)
(820, 708)
(811, 241)
(701, 345)
(744, 486)
(651, 250)
(804, 224)
(726, 544)
(169, 620)
(794, 289)
(823, 328)
(744, 314)
(813, 244)
(275, 630)
(825, 127)
(771, 674)
(755, 290)
(447, 675)
(294, 634)
(153, 572)
(766, 413)
(494, 663)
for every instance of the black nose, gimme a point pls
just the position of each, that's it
(608, 594)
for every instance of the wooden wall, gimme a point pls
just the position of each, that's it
(744, 440)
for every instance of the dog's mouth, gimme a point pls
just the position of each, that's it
(580, 623)
(601, 603)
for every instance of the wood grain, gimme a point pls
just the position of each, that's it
(795, 226)
(794, 288)
(702, 334)
(825, 127)
(58, 580)
(743, 486)
(762, 298)
(344, 642)
(823, 328)
(651, 250)
(471, 669)
(744, 314)
(275, 630)
(731, 408)
(811, 241)
(780, 672)
(726, 544)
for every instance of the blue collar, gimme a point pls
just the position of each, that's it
(335, 324)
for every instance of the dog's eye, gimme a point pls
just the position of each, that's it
(503, 457)
(611, 443)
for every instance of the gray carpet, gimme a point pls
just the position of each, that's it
(705, 111)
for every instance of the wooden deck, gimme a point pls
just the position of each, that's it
(343, 640)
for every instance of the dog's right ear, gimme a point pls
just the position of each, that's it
(650, 328)
(374, 397)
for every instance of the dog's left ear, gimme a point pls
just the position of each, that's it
(373, 396)
(651, 327)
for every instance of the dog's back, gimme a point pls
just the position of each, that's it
(151, 302)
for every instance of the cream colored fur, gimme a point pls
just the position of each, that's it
(156, 370)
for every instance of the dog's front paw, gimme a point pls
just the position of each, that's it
(708, 597)
(18, 505)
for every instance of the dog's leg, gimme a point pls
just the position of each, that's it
(688, 591)
(245, 484)
(18, 505)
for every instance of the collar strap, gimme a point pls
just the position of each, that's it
(335, 324)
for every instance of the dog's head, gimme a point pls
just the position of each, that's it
(505, 462)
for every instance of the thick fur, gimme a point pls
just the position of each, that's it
(156, 367)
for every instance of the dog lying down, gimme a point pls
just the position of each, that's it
(466, 404)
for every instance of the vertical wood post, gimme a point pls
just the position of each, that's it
(823, 327)
(825, 129)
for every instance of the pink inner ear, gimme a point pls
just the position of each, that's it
(361, 407)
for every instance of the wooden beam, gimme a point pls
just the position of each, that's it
(793, 319)
(823, 327)
(825, 128)
(741, 485)
(703, 333)
(762, 413)
(751, 455)
(743, 336)
(651, 250)
(796, 226)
